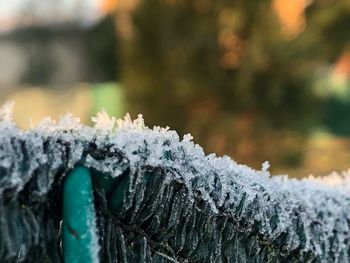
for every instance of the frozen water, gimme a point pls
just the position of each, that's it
(6, 113)
(103, 121)
(197, 207)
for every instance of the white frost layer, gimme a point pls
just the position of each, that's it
(128, 130)
(220, 180)
(132, 129)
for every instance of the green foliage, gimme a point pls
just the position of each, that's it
(179, 63)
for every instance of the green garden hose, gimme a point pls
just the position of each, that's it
(79, 218)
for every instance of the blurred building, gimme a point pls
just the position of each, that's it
(49, 49)
(56, 45)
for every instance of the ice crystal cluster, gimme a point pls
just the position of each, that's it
(179, 205)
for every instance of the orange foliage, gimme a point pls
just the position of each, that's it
(291, 15)
(108, 6)
(342, 68)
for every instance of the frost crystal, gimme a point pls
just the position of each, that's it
(103, 121)
(47, 125)
(127, 123)
(163, 199)
(69, 122)
(6, 112)
(265, 166)
(341, 180)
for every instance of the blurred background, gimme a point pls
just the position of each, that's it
(256, 80)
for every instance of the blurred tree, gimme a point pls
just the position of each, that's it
(227, 72)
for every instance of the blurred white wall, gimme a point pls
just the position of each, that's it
(21, 13)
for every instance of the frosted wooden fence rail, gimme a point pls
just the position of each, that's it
(179, 205)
